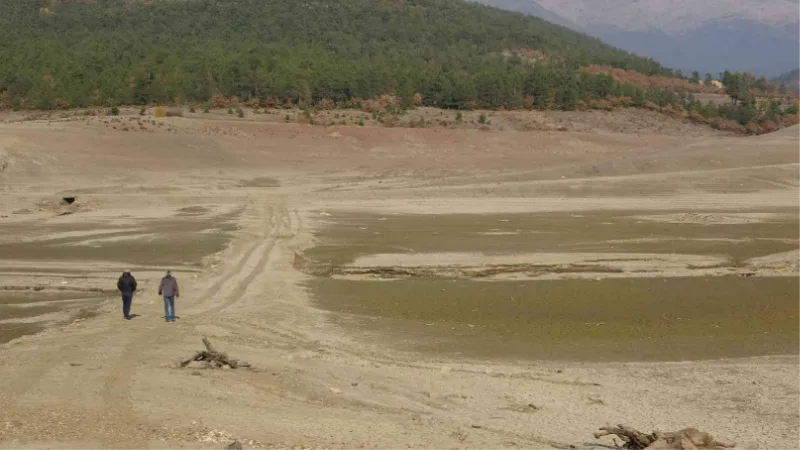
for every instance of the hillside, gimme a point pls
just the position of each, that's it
(758, 36)
(117, 52)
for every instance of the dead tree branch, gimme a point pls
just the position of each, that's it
(686, 439)
(213, 359)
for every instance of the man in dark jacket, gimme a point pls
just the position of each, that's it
(169, 289)
(126, 285)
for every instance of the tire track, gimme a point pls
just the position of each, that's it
(232, 283)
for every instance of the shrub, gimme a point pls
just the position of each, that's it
(458, 116)
(240, 112)
(160, 112)
(361, 123)
(142, 112)
(392, 121)
(114, 111)
(192, 110)
(482, 119)
(205, 110)
(230, 110)
(752, 128)
(220, 101)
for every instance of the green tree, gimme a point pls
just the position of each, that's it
(567, 97)
(734, 86)
(282, 50)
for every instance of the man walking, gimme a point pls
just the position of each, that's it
(126, 285)
(169, 289)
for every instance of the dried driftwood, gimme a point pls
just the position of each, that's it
(214, 359)
(686, 439)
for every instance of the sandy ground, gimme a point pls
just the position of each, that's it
(251, 194)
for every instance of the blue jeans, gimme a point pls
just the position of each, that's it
(127, 299)
(169, 308)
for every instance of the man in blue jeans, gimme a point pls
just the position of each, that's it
(169, 289)
(126, 286)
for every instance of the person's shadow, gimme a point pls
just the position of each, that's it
(133, 316)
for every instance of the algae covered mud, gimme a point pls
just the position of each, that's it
(56, 270)
(611, 319)
(592, 286)
(24, 313)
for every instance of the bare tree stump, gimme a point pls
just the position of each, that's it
(213, 359)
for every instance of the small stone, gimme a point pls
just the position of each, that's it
(336, 390)
(235, 445)
(226, 367)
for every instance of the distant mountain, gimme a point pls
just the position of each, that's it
(532, 8)
(759, 36)
(789, 79)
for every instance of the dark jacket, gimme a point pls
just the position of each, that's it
(168, 287)
(126, 283)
